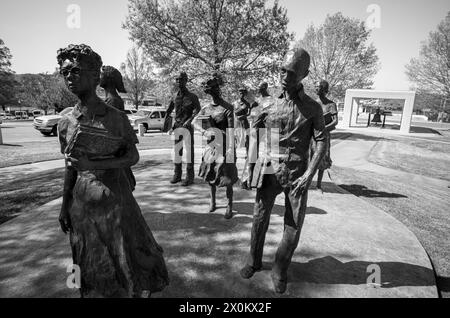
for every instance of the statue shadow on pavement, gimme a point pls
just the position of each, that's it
(356, 189)
(329, 270)
(245, 208)
(362, 191)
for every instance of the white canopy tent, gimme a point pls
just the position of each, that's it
(351, 105)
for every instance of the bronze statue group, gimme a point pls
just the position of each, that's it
(111, 242)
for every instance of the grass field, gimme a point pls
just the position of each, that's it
(426, 158)
(29, 152)
(423, 209)
(28, 191)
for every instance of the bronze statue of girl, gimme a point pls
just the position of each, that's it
(218, 166)
(111, 242)
(111, 81)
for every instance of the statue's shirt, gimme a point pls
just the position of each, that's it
(100, 116)
(186, 105)
(241, 110)
(329, 109)
(294, 122)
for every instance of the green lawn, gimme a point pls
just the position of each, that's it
(29, 152)
(26, 192)
(426, 158)
(423, 209)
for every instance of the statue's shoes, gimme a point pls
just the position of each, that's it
(187, 183)
(212, 208)
(175, 180)
(279, 285)
(248, 271)
(229, 214)
(244, 186)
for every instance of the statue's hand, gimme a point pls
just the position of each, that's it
(217, 100)
(64, 220)
(81, 164)
(208, 133)
(301, 185)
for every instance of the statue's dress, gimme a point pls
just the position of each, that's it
(111, 242)
(221, 174)
(241, 112)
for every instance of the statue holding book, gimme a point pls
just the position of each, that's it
(259, 106)
(111, 81)
(243, 110)
(330, 115)
(111, 242)
(218, 167)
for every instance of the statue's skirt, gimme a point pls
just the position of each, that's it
(111, 242)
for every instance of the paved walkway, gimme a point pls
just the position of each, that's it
(343, 235)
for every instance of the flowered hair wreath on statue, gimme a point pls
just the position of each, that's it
(83, 55)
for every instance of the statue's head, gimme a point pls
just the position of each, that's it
(212, 85)
(80, 66)
(243, 91)
(182, 80)
(322, 88)
(295, 69)
(263, 87)
(110, 77)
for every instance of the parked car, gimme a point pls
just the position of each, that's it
(129, 111)
(151, 119)
(7, 116)
(19, 114)
(48, 125)
(36, 113)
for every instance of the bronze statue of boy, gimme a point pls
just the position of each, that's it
(299, 119)
(186, 106)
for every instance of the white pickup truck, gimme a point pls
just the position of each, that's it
(151, 119)
(48, 125)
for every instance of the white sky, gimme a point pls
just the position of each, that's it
(34, 30)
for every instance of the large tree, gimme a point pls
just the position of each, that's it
(44, 91)
(430, 72)
(341, 54)
(244, 40)
(7, 81)
(136, 72)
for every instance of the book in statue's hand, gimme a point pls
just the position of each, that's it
(328, 118)
(94, 143)
(168, 124)
(205, 121)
